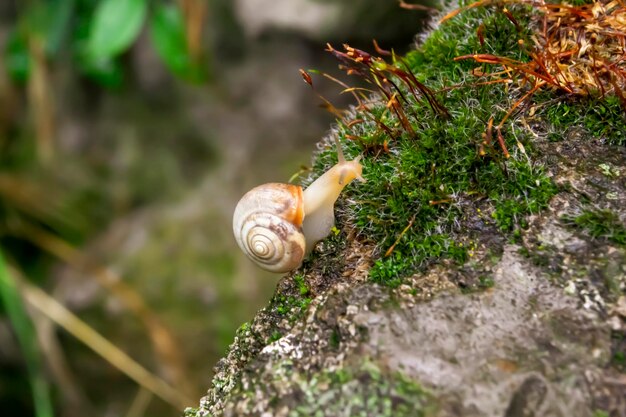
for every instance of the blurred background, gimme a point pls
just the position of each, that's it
(128, 131)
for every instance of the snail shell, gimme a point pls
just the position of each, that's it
(267, 224)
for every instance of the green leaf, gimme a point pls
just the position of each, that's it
(106, 72)
(59, 14)
(48, 22)
(25, 332)
(167, 33)
(17, 57)
(115, 27)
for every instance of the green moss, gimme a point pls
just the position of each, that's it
(290, 306)
(245, 327)
(457, 37)
(362, 389)
(274, 337)
(603, 119)
(190, 412)
(303, 288)
(486, 282)
(366, 391)
(603, 224)
(389, 271)
(335, 339)
(526, 190)
(618, 357)
(417, 194)
(580, 2)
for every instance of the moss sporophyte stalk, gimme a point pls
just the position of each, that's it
(449, 131)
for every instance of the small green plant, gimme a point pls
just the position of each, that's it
(190, 412)
(274, 337)
(290, 306)
(600, 223)
(303, 288)
(486, 282)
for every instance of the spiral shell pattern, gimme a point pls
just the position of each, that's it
(267, 224)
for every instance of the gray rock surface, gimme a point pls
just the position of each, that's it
(533, 327)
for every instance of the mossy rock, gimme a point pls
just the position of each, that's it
(459, 282)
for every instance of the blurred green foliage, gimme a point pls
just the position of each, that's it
(167, 32)
(26, 335)
(115, 25)
(53, 199)
(94, 35)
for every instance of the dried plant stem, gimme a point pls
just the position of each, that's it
(406, 229)
(163, 341)
(111, 353)
(40, 97)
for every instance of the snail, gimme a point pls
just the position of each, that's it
(276, 225)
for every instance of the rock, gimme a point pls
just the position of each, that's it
(535, 329)
(524, 348)
(529, 323)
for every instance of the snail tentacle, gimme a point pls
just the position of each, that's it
(271, 221)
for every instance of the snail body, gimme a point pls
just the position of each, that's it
(276, 224)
